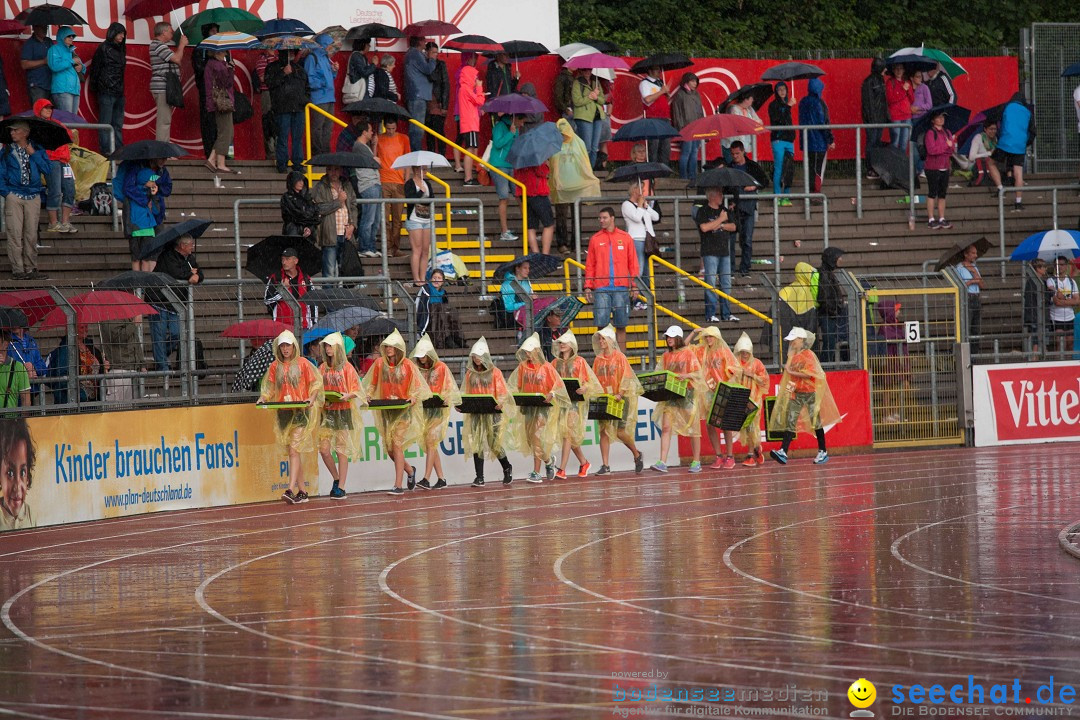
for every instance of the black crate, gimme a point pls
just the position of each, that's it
(435, 402)
(479, 405)
(572, 385)
(731, 407)
(390, 404)
(531, 400)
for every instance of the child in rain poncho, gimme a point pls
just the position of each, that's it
(536, 429)
(483, 434)
(290, 378)
(750, 373)
(342, 427)
(718, 363)
(681, 416)
(441, 382)
(394, 377)
(615, 375)
(571, 365)
(803, 402)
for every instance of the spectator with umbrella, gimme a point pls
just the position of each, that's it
(176, 261)
(200, 58)
(783, 141)
(165, 70)
(24, 348)
(300, 214)
(655, 97)
(218, 79)
(470, 97)
(588, 101)
(34, 60)
(385, 86)
(686, 107)
(503, 134)
(875, 107)
(146, 184)
(419, 222)
(745, 105)
(14, 375)
(60, 187)
(295, 281)
(289, 93)
(940, 147)
(107, 81)
(22, 163)
(814, 111)
(942, 91)
(499, 78)
(321, 72)
(746, 204)
(338, 226)
(420, 68)
(962, 257)
(571, 178)
(900, 96)
(529, 155)
(67, 71)
(439, 103)
(359, 84)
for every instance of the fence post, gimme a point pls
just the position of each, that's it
(806, 174)
(858, 173)
(911, 177)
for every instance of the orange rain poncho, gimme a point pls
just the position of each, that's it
(576, 416)
(751, 374)
(803, 404)
(685, 413)
(484, 434)
(342, 423)
(293, 380)
(535, 430)
(441, 382)
(399, 379)
(617, 378)
(717, 361)
(571, 176)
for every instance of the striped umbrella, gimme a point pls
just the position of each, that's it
(1048, 245)
(287, 42)
(230, 40)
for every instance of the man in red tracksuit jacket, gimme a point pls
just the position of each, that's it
(610, 270)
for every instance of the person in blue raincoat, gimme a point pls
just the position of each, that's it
(67, 71)
(814, 111)
(321, 72)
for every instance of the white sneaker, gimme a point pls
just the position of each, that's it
(508, 236)
(822, 457)
(714, 319)
(733, 318)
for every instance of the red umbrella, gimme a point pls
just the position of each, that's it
(595, 61)
(473, 43)
(11, 27)
(430, 28)
(151, 8)
(100, 306)
(255, 329)
(721, 126)
(35, 304)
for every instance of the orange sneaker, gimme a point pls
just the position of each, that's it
(560, 475)
(750, 461)
(584, 471)
(718, 464)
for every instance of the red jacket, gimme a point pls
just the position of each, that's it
(605, 250)
(899, 99)
(535, 180)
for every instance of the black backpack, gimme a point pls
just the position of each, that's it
(101, 199)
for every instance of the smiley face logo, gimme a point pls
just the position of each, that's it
(862, 694)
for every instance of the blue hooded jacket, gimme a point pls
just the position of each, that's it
(1015, 123)
(11, 173)
(813, 111)
(147, 211)
(64, 77)
(320, 74)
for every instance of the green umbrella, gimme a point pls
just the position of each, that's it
(225, 18)
(913, 54)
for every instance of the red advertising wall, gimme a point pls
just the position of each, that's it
(1026, 403)
(850, 389)
(990, 80)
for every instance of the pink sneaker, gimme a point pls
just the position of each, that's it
(729, 463)
(718, 464)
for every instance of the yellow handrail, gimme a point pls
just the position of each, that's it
(313, 176)
(653, 259)
(492, 168)
(566, 272)
(671, 313)
(446, 187)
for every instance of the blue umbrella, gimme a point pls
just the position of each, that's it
(279, 27)
(645, 129)
(535, 146)
(342, 320)
(956, 118)
(1048, 245)
(1071, 71)
(316, 333)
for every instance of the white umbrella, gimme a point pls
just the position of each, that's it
(420, 158)
(574, 49)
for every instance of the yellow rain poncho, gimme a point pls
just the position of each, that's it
(751, 374)
(342, 427)
(571, 174)
(803, 404)
(441, 382)
(800, 294)
(397, 378)
(685, 413)
(617, 378)
(536, 430)
(484, 435)
(717, 361)
(576, 417)
(293, 380)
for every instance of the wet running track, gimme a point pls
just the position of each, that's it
(752, 593)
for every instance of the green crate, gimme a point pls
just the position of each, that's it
(607, 407)
(663, 385)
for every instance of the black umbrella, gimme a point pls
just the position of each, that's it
(148, 150)
(379, 327)
(45, 133)
(955, 254)
(640, 171)
(664, 61)
(12, 318)
(50, 15)
(264, 258)
(645, 129)
(604, 46)
(372, 30)
(956, 118)
(472, 43)
(1071, 71)
(331, 299)
(195, 227)
(891, 164)
(725, 177)
(136, 279)
(761, 92)
(377, 106)
(792, 71)
(912, 62)
(345, 160)
(521, 50)
(540, 265)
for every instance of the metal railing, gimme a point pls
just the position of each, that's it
(311, 175)
(1029, 189)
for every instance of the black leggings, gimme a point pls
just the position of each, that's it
(819, 433)
(478, 464)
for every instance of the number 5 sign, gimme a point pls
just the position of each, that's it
(911, 331)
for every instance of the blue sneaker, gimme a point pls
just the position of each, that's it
(779, 456)
(659, 467)
(695, 467)
(337, 493)
(822, 457)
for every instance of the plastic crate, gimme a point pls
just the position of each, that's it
(478, 404)
(572, 385)
(435, 402)
(731, 407)
(663, 385)
(531, 400)
(607, 407)
(396, 404)
(282, 405)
